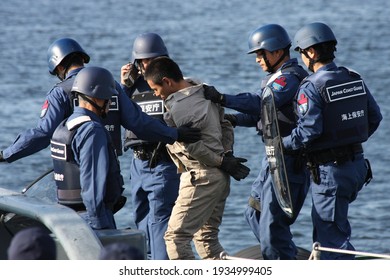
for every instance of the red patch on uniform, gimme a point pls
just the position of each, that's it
(44, 108)
(302, 103)
(279, 83)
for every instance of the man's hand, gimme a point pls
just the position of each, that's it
(188, 134)
(1, 157)
(213, 95)
(234, 167)
(129, 74)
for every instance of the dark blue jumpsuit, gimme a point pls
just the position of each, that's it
(99, 179)
(272, 226)
(336, 114)
(154, 190)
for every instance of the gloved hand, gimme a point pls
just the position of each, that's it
(188, 134)
(234, 167)
(119, 204)
(130, 74)
(214, 95)
(1, 157)
(228, 153)
(232, 119)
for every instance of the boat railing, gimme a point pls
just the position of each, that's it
(224, 256)
(316, 253)
(317, 249)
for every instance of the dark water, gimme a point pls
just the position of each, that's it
(209, 40)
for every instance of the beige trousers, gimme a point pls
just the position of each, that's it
(197, 214)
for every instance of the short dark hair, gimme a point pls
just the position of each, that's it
(161, 67)
(325, 51)
(73, 59)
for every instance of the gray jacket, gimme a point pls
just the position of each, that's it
(189, 105)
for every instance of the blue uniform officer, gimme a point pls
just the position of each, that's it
(266, 218)
(86, 168)
(336, 113)
(154, 185)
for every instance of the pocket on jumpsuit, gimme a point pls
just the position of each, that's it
(324, 200)
(264, 172)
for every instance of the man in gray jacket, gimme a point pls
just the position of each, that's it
(205, 165)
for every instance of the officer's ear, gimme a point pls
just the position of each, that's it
(60, 72)
(312, 53)
(79, 98)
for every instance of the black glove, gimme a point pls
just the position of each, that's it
(369, 173)
(131, 76)
(188, 134)
(1, 157)
(119, 204)
(232, 119)
(214, 95)
(234, 167)
(229, 154)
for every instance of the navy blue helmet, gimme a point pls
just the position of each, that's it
(148, 45)
(60, 49)
(270, 37)
(312, 34)
(95, 82)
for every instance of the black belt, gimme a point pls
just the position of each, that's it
(337, 155)
(145, 152)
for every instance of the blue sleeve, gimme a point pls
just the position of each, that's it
(54, 110)
(90, 144)
(247, 120)
(310, 121)
(143, 125)
(247, 103)
(127, 90)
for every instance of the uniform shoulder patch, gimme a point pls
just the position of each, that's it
(279, 83)
(45, 106)
(303, 103)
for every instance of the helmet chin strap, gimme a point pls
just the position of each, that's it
(140, 66)
(271, 68)
(100, 109)
(311, 61)
(61, 75)
(66, 67)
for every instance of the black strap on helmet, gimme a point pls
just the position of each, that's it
(101, 109)
(68, 61)
(325, 53)
(271, 68)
